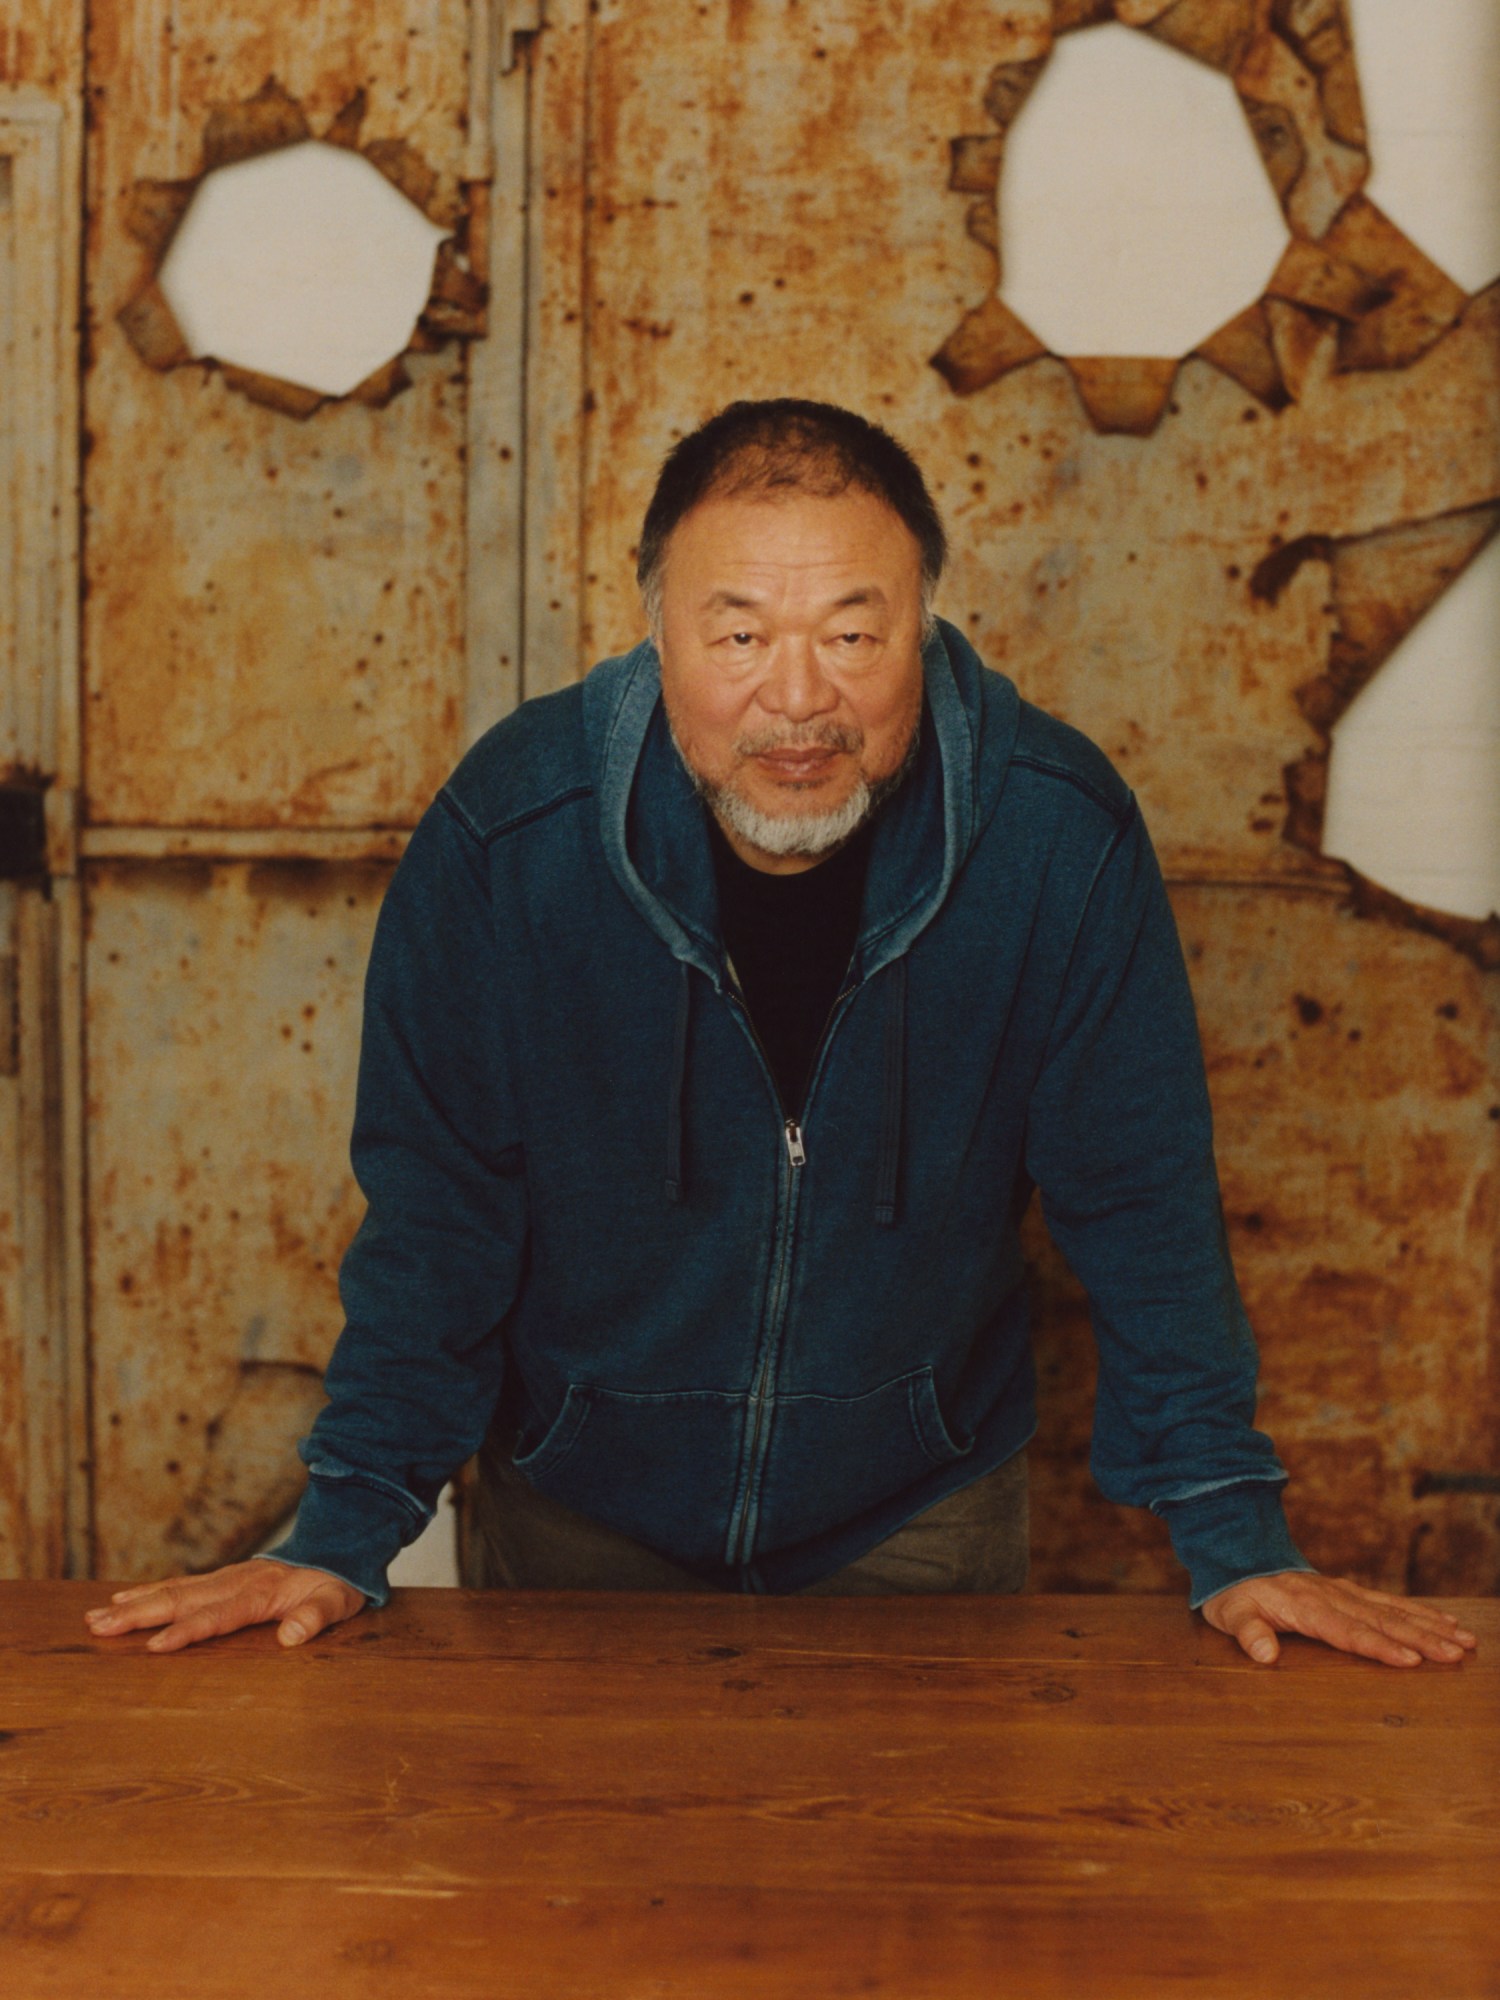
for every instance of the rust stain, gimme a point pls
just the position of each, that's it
(1070, 14)
(260, 124)
(1217, 32)
(1318, 33)
(1313, 169)
(457, 301)
(1245, 350)
(153, 210)
(150, 326)
(291, 398)
(1123, 395)
(1311, 275)
(987, 343)
(223, 1040)
(1414, 304)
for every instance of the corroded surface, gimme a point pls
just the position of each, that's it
(223, 1031)
(267, 122)
(275, 625)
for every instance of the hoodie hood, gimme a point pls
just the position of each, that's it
(656, 841)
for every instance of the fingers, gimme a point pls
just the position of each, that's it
(192, 1608)
(325, 1606)
(1423, 1629)
(1258, 1639)
(180, 1600)
(1393, 1630)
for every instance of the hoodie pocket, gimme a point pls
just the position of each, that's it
(833, 1457)
(659, 1468)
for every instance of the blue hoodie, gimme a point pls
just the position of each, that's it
(759, 1348)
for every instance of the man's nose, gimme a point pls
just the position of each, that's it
(796, 685)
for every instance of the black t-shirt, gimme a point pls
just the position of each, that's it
(790, 939)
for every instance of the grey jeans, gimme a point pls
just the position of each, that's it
(977, 1539)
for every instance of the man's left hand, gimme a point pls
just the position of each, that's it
(1341, 1613)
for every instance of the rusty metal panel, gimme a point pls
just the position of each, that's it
(223, 1036)
(41, 44)
(276, 610)
(43, 1415)
(1353, 1071)
(558, 398)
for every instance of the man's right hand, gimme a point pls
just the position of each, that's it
(189, 1608)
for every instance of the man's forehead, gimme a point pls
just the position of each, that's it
(744, 596)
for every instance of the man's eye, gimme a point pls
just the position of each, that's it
(742, 639)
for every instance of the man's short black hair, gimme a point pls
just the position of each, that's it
(789, 444)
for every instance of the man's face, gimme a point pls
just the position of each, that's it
(791, 657)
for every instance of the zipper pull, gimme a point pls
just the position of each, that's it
(796, 1152)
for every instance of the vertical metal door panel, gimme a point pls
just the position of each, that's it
(276, 628)
(277, 675)
(43, 1404)
(223, 1035)
(276, 616)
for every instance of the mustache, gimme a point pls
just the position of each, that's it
(818, 736)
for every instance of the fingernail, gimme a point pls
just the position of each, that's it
(1408, 1654)
(292, 1635)
(1263, 1650)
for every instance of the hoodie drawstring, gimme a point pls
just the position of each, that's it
(893, 1094)
(675, 1187)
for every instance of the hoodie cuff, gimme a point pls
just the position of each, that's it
(1230, 1534)
(352, 1530)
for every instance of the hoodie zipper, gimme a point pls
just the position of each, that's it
(796, 1155)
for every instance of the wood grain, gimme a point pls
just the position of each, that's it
(489, 1794)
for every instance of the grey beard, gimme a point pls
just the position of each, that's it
(806, 835)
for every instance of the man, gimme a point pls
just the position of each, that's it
(721, 1016)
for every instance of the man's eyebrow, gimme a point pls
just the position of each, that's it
(728, 600)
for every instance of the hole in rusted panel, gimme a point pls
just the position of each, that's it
(1294, 68)
(1414, 772)
(1380, 587)
(305, 268)
(1159, 230)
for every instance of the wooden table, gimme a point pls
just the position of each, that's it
(555, 1795)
